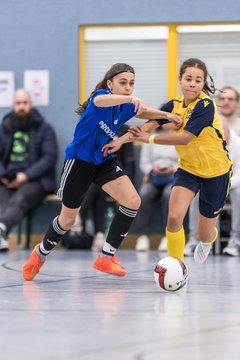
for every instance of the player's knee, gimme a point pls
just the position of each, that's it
(66, 222)
(174, 220)
(134, 202)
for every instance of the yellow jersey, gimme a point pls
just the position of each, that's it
(207, 154)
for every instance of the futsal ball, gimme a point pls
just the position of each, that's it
(170, 274)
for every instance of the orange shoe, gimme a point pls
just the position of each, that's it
(33, 265)
(109, 265)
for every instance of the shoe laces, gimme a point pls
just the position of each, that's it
(115, 259)
(192, 242)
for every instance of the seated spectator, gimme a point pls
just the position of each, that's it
(233, 246)
(158, 164)
(228, 104)
(28, 154)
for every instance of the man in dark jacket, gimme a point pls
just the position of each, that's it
(28, 154)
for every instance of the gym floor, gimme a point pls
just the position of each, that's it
(71, 311)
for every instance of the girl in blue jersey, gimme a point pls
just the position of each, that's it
(110, 105)
(204, 164)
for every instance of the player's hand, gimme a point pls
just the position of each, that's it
(111, 147)
(139, 134)
(163, 171)
(175, 119)
(139, 105)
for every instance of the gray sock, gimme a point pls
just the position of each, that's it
(41, 256)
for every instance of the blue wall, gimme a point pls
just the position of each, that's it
(44, 35)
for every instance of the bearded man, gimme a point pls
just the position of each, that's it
(28, 155)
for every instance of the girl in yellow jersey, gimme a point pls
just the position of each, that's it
(204, 163)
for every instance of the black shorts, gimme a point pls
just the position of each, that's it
(77, 176)
(212, 191)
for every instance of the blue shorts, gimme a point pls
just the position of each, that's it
(212, 191)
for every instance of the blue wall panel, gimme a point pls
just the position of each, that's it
(44, 35)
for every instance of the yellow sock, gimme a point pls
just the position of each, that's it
(176, 243)
(215, 237)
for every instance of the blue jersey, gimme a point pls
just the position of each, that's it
(96, 127)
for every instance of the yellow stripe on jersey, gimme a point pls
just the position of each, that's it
(206, 155)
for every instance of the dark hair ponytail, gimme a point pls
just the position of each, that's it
(113, 71)
(101, 85)
(209, 88)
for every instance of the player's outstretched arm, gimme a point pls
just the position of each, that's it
(181, 138)
(151, 113)
(113, 100)
(116, 144)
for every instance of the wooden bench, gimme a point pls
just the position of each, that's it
(53, 199)
(29, 219)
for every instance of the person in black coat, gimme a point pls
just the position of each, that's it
(28, 155)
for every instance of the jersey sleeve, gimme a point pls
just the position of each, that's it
(128, 111)
(168, 108)
(127, 108)
(99, 92)
(202, 116)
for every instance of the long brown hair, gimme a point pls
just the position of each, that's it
(113, 71)
(197, 63)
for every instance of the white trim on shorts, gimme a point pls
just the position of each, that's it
(67, 168)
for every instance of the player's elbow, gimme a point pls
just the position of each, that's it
(186, 138)
(185, 141)
(101, 100)
(97, 102)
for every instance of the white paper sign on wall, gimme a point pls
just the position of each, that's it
(36, 82)
(7, 88)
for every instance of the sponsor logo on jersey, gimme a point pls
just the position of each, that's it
(189, 113)
(106, 129)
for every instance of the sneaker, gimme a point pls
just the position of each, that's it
(33, 265)
(190, 247)
(4, 246)
(232, 248)
(98, 242)
(109, 265)
(201, 252)
(143, 243)
(163, 244)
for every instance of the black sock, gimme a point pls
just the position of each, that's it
(52, 237)
(120, 226)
